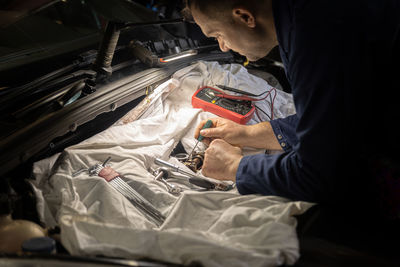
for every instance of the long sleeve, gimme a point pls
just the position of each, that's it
(332, 101)
(285, 131)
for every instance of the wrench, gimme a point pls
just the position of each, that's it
(161, 175)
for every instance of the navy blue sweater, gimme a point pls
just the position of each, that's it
(341, 59)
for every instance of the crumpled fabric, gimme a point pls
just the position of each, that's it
(213, 228)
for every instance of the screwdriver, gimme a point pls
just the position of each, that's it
(208, 124)
(193, 179)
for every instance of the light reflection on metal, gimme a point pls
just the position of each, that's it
(187, 53)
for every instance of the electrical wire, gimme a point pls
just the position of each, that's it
(258, 115)
(272, 103)
(246, 98)
(272, 100)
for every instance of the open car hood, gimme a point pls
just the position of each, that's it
(51, 86)
(115, 10)
(36, 30)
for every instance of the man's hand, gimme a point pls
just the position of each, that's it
(259, 135)
(230, 131)
(221, 160)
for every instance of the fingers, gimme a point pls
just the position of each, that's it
(201, 124)
(221, 146)
(209, 160)
(198, 128)
(221, 160)
(212, 132)
(225, 146)
(207, 141)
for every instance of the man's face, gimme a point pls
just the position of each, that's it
(232, 34)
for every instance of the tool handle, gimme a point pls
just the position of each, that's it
(201, 182)
(208, 124)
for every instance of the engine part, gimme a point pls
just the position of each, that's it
(195, 162)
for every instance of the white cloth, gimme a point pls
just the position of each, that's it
(213, 228)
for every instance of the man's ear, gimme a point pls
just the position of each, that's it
(245, 16)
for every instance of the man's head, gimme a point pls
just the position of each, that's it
(246, 27)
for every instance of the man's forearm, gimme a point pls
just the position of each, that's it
(261, 135)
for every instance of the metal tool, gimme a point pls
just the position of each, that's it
(195, 163)
(161, 175)
(194, 179)
(208, 124)
(115, 180)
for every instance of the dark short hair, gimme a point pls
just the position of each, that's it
(207, 6)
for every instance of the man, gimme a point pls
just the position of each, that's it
(341, 61)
